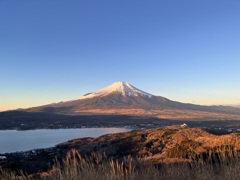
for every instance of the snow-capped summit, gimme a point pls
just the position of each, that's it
(120, 87)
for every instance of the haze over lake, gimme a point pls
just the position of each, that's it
(13, 140)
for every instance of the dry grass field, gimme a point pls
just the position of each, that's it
(74, 166)
(172, 152)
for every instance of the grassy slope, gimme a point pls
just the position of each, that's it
(191, 148)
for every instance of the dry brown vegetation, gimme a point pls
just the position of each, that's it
(166, 153)
(159, 144)
(74, 166)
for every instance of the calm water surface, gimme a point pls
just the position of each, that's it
(13, 140)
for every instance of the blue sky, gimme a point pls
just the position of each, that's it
(57, 50)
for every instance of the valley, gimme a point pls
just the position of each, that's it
(19, 120)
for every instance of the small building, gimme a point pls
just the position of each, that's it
(184, 125)
(3, 157)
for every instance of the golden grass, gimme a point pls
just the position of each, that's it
(166, 153)
(221, 165)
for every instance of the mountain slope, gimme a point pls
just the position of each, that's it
(123, 98)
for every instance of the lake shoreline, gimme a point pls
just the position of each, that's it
(20, 141)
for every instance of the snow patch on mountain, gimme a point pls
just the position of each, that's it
(121, 87)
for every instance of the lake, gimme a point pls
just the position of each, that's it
(13, 140)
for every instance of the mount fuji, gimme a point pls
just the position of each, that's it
(123, 98)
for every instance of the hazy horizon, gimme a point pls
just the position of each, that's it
(52, 51)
